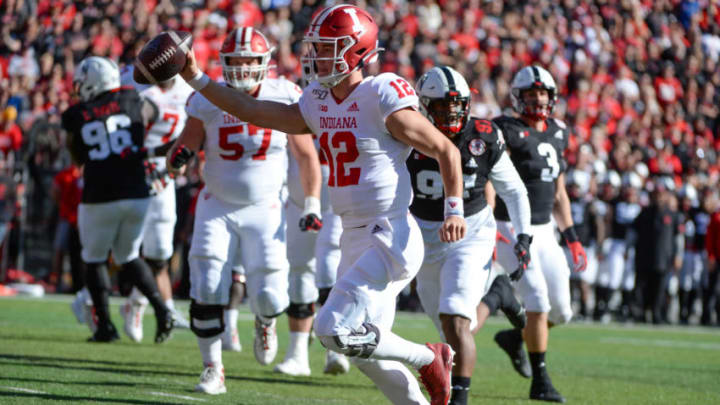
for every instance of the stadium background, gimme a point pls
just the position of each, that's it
(638, 83)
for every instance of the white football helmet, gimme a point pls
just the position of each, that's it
(95, 75)
(445, 99)
(533, 77)
(245, 42)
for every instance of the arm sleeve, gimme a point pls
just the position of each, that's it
(510, 187)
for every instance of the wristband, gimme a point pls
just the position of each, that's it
(454, 206)
(199, 81)
(570, 235)
(312, 206)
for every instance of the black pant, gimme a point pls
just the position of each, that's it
(77, 266)
(710, 297)
(649, 290)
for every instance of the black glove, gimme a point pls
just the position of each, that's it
(180, 157)
(310, 222)
(522, 252)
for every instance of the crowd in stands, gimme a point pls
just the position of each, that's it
(639, 80)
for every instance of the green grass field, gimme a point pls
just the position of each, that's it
(44, 358)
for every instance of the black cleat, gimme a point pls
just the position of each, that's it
(165, 325)
(542, 389)
(513, 346)
(510, 306)
(104, 334)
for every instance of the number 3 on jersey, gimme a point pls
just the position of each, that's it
(340, 150)
(550, 154)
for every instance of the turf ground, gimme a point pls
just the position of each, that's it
(44, 358)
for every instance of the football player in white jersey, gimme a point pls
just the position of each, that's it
(170, 97)
(366, 128)
(314, 257)
(452, 279)
(240, 209)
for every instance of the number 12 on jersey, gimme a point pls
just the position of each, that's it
(340, 149)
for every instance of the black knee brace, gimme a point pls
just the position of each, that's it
(301, 311)
(323, 295)
(200, 312)
(361, 343)
(156, 265)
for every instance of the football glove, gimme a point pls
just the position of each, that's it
(576, 248)
(181, 155)
(311, 220)
(522, 252)
(156, 179)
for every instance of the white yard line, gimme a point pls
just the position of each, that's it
(29, 391)
(662, 343)
(165, 394)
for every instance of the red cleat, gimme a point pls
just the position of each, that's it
(436, 375)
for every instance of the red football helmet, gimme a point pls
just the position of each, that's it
(245, 42)
(353, 34)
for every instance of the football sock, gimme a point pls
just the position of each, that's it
(211, 350)
(143, 279)
(231, 317)
(394, 380)
(393, 347)
(460, 390)
(298, 346)
(98, 284)
(170, 304)
(537, 362)
(493, 300)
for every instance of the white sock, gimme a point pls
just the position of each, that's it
(298, 346)
(231, 317)
(135, 295)
(393, 347)
(394, 380)
(170, 304)
(211, 350)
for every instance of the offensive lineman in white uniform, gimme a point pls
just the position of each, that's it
(157, 248)
(240, 207)
(366, 127)
(452, 279)
(314, 256)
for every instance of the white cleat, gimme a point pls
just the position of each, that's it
(293, 366)
(265, 343)
(180, 321)
(231, 340)
(212, 381)
(132, 312)
(336, 363)
(82, 307)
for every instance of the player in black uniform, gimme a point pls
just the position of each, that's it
(115, 199)
(536, 144)
(452, 278)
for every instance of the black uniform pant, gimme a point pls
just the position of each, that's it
(650, 293)
(710, 297)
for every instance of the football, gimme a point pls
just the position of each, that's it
(163, 57)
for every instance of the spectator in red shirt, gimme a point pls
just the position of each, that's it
(10, 134)
(712, 246)
(67, 193)
(668, 87)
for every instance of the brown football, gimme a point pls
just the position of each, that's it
(163, 57)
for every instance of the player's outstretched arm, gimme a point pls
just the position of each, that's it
(192, 138)
(412, 128)
(265, 114)
(563, 217)
(303, 149)
(508, 184)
